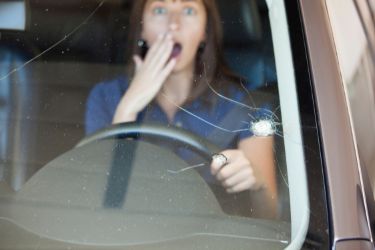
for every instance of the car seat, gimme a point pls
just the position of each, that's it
(247, 41)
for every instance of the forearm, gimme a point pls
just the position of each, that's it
(259, 151)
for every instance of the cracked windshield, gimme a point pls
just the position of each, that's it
(149, 124)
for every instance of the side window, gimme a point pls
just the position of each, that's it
(356, 54)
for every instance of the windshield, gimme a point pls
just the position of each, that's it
(154, 124)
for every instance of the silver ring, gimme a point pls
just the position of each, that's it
(221, 158)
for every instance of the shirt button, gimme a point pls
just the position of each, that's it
(179, 124)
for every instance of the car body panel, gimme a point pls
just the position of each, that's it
(347, 209)
(353, 244)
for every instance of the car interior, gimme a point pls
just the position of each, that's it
(58, 59)
(48, 70)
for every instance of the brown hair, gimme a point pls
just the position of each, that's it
(209, 64)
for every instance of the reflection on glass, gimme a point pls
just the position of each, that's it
(176, 72)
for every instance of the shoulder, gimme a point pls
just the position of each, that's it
(113, 87)
(107, 94)
(256, 104)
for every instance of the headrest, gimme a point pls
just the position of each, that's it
(241, 21)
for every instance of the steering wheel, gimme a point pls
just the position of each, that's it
(178, 136)
(231, 203)
(106, 183)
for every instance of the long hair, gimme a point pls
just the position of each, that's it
(209, 66)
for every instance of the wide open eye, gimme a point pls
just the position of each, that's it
(189, 11)
(159, 11)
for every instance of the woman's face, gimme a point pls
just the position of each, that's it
(185, 20)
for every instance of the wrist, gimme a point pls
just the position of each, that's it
(124, 115)
(127, 110)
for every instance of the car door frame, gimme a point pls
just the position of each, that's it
(346, 191)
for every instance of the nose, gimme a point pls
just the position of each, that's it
(174, 22)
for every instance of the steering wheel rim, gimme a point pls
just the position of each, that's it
(135, 130)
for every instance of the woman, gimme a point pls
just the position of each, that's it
(181, 65)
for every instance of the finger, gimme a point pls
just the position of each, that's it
(137, 61)
(154, 47)
(231, 169)
(161, 56)
(167, 70)
(166, 49)
(162, 61)
(245, 185)
(218, 161)
(238, 177)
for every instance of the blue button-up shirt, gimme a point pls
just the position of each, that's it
(212, 116)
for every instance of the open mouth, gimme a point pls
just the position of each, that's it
(176, 51)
